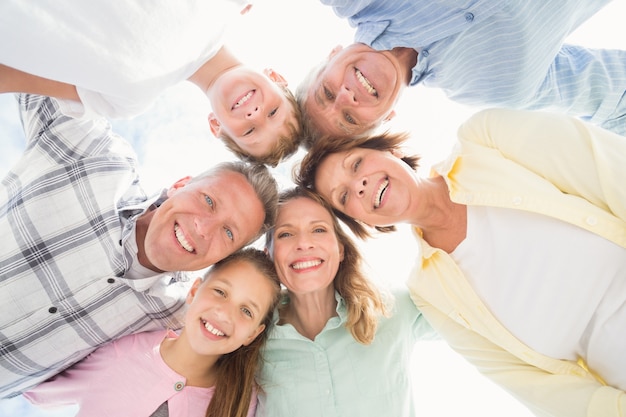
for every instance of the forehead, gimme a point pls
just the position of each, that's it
(245, 278)
(297, 209)
(332, 165)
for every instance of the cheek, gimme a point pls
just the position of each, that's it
(354, 209)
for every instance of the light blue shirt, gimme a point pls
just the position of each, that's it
(506, 53)
(334, 375)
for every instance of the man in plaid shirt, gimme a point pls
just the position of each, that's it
(84, 250)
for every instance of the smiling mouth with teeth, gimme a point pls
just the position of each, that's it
(243, 99)
(365, 83)
(180, 236)
(212, 329)
(380, 193)
(306, 264)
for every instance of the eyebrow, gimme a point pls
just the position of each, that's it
(318, 98)
(333, 191)
(250, 301)
(254, 305)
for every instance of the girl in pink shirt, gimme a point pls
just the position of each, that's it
(210, 363)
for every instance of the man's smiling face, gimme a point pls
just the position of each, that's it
(355, 91)
(202, 222)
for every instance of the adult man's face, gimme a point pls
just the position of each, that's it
(355, 91)
(202, 222)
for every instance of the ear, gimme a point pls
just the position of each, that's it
(341, 251)
(390, 116)
(276, 77)
(178, 184)
(335, 51)
(254, 335)
(246, 9)
(193, 290)
(397, 153)
(214, 125)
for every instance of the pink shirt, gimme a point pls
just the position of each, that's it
(126, 377)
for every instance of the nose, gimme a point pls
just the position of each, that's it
(205, 226)
(222, 312)
(304, 242)
(360, 184)
(345, 96)
(253, 112)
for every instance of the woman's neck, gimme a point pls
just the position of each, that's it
(309, 313)
(442, 221)
(198, 370)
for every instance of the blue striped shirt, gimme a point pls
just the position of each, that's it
(505, 53)
(67, 215)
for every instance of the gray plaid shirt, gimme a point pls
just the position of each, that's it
(67, 210)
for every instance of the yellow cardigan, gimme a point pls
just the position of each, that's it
(544, 163)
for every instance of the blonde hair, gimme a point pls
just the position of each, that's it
(364, 301)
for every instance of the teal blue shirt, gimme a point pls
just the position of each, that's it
(334, 375)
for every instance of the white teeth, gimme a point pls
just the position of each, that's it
(380, 193)
(243, 99)
(365, 83)
(306, 264)
(212, 329)
(180, 236)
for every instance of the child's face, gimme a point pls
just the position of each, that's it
(226, 310)
(251, 108)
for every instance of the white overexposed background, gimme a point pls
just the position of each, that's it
(290, 36)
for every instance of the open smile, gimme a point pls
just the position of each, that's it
(182, 240)
(306, 264)
(367, 85)
(213, 330)
(380, 193)
(243, 99)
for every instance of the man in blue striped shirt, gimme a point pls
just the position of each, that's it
(85, 250)
(507, 53)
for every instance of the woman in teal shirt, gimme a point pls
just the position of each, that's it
(339, 347)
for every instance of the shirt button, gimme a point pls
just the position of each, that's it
(517, 201)
(52, 310)
(425, 53)
(469, 17)
(591, 220)
(179, 386)
(111, 280)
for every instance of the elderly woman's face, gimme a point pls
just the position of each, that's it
(306, 251)
(368, 185)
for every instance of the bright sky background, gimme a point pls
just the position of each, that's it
(173, 140)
